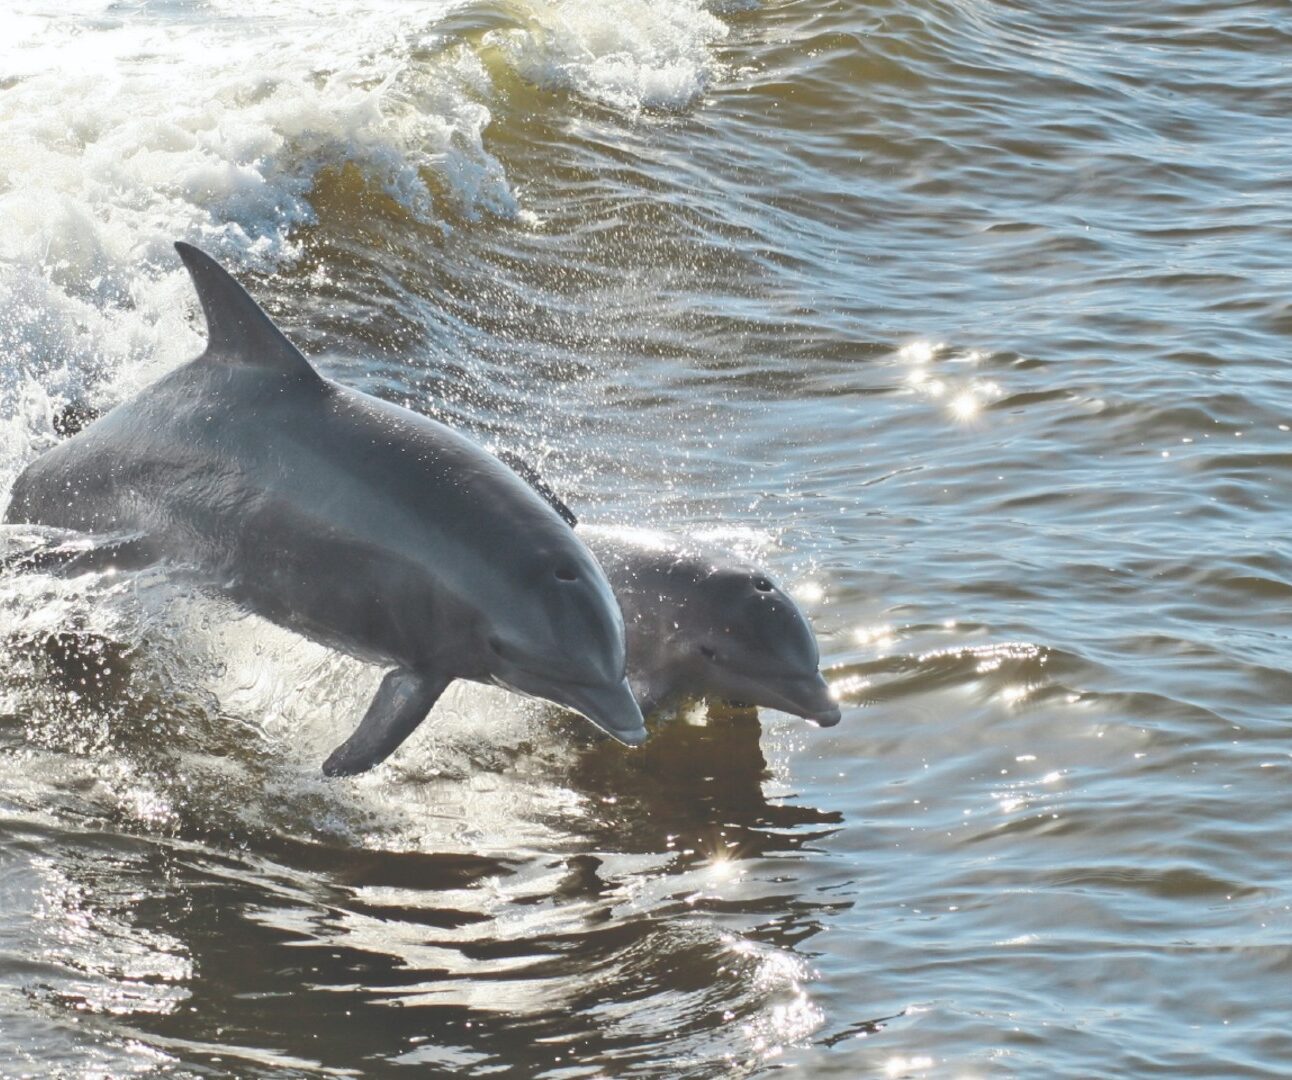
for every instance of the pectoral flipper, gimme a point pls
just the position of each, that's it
(401, 703)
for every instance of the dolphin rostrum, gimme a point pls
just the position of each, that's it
(701, 622)
(355, 522)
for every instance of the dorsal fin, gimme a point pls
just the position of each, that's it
(530, 475)
(238, 330)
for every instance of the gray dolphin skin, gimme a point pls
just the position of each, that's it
(704, 623)
(701, 622)
(355, 522)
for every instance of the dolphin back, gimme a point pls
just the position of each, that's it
(357, 522)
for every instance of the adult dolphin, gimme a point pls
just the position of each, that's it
(355, 522)
(702, 622)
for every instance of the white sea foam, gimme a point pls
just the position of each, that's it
(125, 129)
(625, 53)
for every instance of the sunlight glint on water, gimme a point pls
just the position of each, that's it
(966, 320)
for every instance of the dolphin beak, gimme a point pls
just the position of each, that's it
(807, 696)
(611, 707)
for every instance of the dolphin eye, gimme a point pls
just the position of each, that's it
(495, 646)
(566, 573)
(708, 653)
(762, 584)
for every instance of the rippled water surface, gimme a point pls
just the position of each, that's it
(969, 319)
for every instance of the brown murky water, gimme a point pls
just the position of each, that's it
(970, 319)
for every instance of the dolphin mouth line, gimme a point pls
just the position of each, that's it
(624, 738)
(610, 708)
(804, 696)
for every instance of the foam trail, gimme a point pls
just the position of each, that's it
(123, 134)
(126, 131)
(629, 54)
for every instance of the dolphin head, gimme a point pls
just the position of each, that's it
(560, 635)
(745, 640)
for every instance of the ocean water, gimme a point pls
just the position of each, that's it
(971, 320)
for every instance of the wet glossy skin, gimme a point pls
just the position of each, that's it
(356, 522)
(980, 309)
(703, 623)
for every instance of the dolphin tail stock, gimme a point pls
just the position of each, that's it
(401, 703)
(534, 479)
(239, 331)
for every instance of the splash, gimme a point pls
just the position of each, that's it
(122, 135)
(628, 54)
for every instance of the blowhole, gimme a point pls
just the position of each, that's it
(762, 584)
(566, 573)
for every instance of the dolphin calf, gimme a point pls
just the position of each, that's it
(355, 522)
(702, 623)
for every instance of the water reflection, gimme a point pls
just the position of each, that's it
(935, 371)
(622, 894)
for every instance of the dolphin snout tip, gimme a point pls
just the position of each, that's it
(812, 699)
(633, 738)
(611, 707)
(826, 717)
